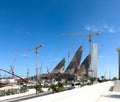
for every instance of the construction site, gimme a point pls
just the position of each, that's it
(76, 76)
(75, 71)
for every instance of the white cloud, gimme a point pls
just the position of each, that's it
(88, 27)
(111, 30)
(25, 55)
(94, 29)
(104, 28)
(91, 28)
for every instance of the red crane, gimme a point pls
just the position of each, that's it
(14, 75)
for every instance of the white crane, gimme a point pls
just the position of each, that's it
(90, 41)
(36, 51)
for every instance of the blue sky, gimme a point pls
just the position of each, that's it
(27, 23)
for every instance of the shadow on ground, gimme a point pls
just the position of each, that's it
(113, 96)
(111, 88)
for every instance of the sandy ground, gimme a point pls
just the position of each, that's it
(10, 87)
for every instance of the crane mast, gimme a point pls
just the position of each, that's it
(37, 60)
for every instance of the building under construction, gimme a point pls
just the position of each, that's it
(84, 67)
(74, 69)
(60, 67)
(75, 62)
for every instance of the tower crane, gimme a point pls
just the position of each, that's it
(36, 51)
(48, 73)
(26, 59)
(53, 59)
(90, 41)
(12, 66)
